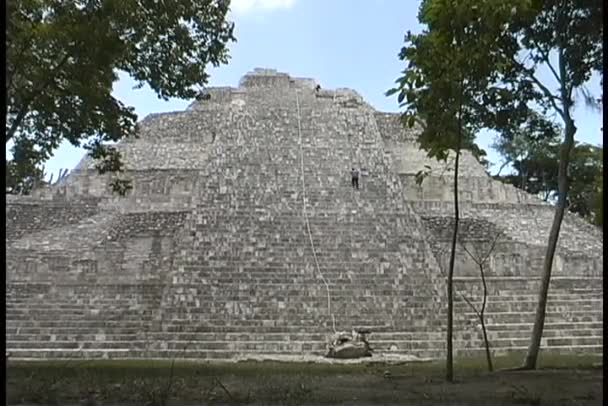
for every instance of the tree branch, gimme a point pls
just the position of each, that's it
(548, 62)
(473, 257)
(569, 91)
(15, 63)
(26, 104)
(507, 162)
(491, 249)
(547, 93)
(545, 56)
(486, 255)
(470, 304)
(544, 89)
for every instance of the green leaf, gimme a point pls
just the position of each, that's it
(62, 62)
(411, 121)
(391, 92)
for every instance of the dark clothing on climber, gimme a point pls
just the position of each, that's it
(354, 174)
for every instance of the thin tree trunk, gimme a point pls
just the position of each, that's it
(449, 355)
(562, 182)
(481, 314)
(449, 360)
(482, 319)
(504, 164)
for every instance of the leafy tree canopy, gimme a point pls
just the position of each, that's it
(451, 68)
(476, 65)
(63, 57)
(535, 165)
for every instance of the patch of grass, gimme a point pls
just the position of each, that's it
(153, 382)
(161, 367)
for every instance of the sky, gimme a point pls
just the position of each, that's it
(340, 43)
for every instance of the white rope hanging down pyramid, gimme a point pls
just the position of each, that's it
(312, 244)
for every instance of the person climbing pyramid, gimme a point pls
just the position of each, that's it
(354, 174)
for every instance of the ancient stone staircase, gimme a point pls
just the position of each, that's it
(259, 258)
(210, 256)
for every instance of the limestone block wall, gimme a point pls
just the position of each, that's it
(579, 246)
(108, 312)
(512, 270)
(218, 95)
(407, 160)
(105, 248)
(26, 215)
(211, 246)
(392, 129)
(249, 239)
(470, 189)
(267, 78)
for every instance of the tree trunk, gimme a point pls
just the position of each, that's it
(449, 359)
(449, 355)
(562, 186)
(537, 331)
(482, 319)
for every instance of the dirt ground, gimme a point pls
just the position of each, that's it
(571, 381)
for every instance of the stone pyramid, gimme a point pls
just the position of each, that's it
(242, 237)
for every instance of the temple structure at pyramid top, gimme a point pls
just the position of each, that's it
(243, 235)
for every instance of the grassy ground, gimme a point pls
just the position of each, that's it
(561, 380)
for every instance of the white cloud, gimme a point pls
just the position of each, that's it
(244, 6)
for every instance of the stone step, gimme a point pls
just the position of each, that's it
(559, 325)
(499, 307)
(290, 301)
(291, 346)
(569, 300)
(252, 342)
(231, 333)
(521, 317)
(86, 314)
(220, 318)
(260, 264)
(101, 323)
(83, 312)
(43, 353)
(62, 304)
(561, 296)
(30, 306)
(73, 331)
(76, 329)
(515, 334)
(73, 345)
(594, 349)
(25, 354)
(340, 207)
(310, 279)
(184, 325)
(70, 337)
